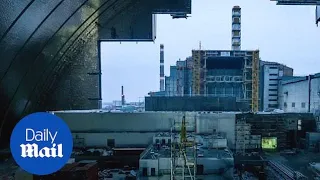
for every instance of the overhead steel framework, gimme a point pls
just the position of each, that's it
(297, 2)
(301, 3)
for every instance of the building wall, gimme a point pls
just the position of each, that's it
(164, 165)
(315, 95)
(181, 67)
(138, 128)
(312, 141)
(171, 82)
(195, 103)
(270, 90)
(214, 165)
(121, 139)
(149, 163)
(294, 95)
(271, 73)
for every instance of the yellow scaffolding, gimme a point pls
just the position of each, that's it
(255, 82)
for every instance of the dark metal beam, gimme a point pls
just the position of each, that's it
(297, 2)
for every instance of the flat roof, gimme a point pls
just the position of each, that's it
(153, 153)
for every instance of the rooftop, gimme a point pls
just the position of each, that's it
(154, 152)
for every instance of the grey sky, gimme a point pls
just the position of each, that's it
(285, 34)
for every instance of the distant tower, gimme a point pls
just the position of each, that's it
(236, 28)
(122, 97)
(161, 67)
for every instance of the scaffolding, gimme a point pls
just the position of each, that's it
(196, 55)
(183, 150)
(255, 82)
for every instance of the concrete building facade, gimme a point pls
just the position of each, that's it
(171, 82)
(300, 94)
(270, 74)
(180, 80)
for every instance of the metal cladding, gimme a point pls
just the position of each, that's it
(236, 28)
(161, 67)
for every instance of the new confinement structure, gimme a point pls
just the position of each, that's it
(227, 74)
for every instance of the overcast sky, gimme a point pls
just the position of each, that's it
(285, 34)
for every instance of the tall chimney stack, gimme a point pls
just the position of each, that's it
(236, 29)
(122, 97)
(161, 67)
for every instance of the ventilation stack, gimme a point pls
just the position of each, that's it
(161, 67)
(122, 97)
(236, 28)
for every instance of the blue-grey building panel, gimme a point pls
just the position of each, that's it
(196, 103)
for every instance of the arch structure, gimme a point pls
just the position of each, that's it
(49, 50)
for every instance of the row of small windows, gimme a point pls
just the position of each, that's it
(303, 105)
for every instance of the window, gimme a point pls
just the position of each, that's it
(273, 90)
(273, 99)
(145, 172)
(272, 105)
(293, 104)
(163, 141)
(273, 68)
(285, 104)
(153, 171)
(273, 79)
(110, 142)
(303, 105)
(273, 84)
(273, 74)
(273, 94)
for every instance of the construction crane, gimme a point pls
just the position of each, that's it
(303, 2)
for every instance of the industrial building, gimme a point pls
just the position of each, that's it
(270, 75)
(212, 73)
(213, 156)
(300, 94)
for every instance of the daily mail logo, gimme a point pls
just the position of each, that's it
(32, 150)
(41, 143)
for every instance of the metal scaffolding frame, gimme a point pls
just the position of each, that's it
(183, 150)
(255, 82)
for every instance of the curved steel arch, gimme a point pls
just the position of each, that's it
(11, 93)
(40, 40)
